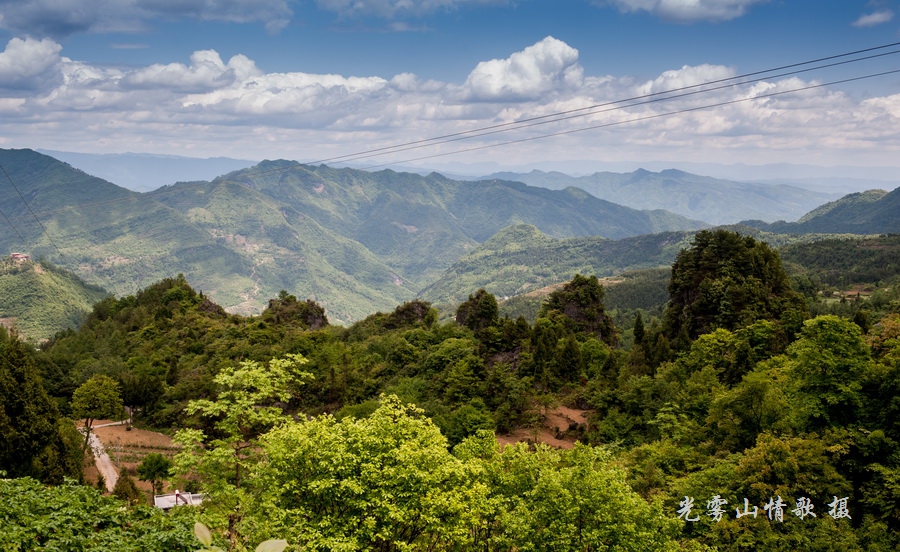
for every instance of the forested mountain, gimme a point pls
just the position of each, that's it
(421, 224)
(713, 200)
(846, 260)
(109, 236)
(871, 212)
(39, 299)
(384, 434)
(354, 241)
(521, 258)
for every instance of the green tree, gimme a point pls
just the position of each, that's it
(155, 469)
(385, 482)
(829, 366)
(97, 398)
(639, 330)
(288, 310)
(479, 312)
(126, 490)
(547, 499)
(33, 437)
(249, 402)
(726, 280)
(580, 303)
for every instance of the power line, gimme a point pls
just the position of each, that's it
(645, 99)
(407, 145)
(43, 229)
(16, 230)
(639, 119)
(585, 111)
(536, 122)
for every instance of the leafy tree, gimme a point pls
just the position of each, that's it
(155, 469)
(126, 490)
(753, 406)
(549, 499)
(34, 440)
(142, 391)
(726, 280)
(384, 482)
(249, 402)
(580, 303)
(479, 312)
(287, 309)
(464, 421)
(97, 398)
(829, 365)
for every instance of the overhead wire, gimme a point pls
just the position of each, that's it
(429, 141)
(639, 119)
(621, 107)
(30, 210)
(559, 116)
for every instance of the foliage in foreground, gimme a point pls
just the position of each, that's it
(74, 517)
(758, 405)
(389, 482)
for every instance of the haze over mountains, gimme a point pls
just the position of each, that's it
(354, 241)
(358, 242)
(713, 200)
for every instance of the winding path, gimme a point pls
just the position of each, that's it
(102, 460)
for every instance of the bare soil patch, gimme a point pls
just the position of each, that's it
(128, 448)
(558, 429)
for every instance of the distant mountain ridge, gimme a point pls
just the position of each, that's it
(143, 172)
(712, 200)
(354, 241)
(870, 212)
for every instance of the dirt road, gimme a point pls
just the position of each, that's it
(104, 464)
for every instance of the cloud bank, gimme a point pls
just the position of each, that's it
(390, 9)
(61, 18)
(686, 11)
(206, 106)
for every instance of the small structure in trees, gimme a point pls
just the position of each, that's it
(178, 498)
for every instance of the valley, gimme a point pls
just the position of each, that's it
(495, 353)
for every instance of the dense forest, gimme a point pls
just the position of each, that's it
(755, 409)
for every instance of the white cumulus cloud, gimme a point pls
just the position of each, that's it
(686, 77)
(206, 71)
(686, 11)
(545, 67)
(874, 18)
(208, 106)
(29, 64)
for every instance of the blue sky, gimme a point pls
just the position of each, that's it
(314, 79)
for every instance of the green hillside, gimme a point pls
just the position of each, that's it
(39, 299)
(775, 398)
(871, 212)
(286, 250)
(847, 260)
(354, 241)
(521, 259)
(420, 225)
(109, 236)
